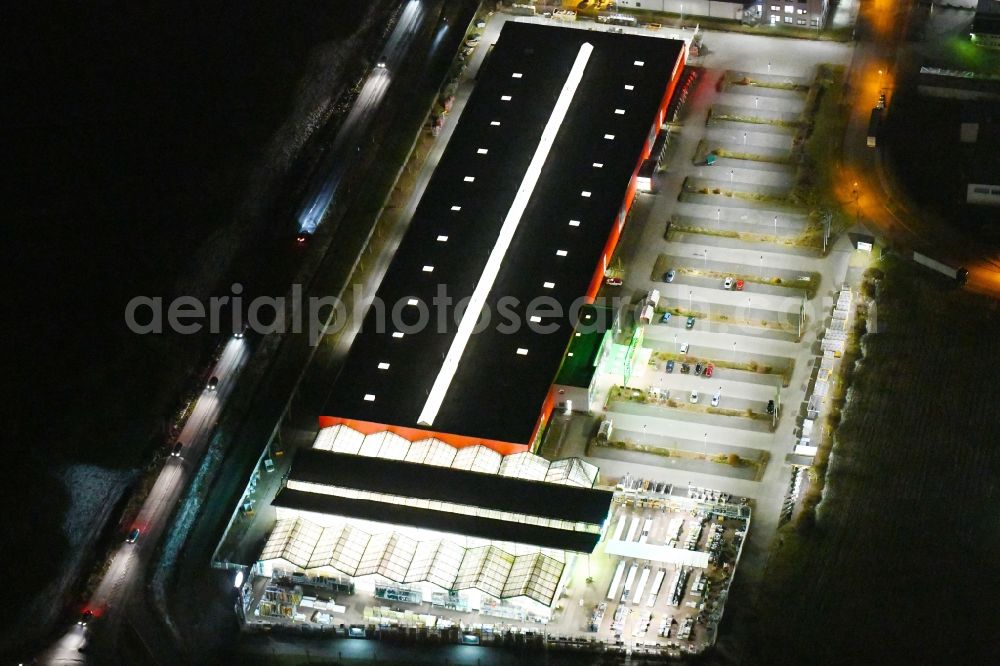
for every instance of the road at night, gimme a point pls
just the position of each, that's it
(862, 185)
(128, 566)
(350, 136)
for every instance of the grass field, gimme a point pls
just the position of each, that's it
(896, 566)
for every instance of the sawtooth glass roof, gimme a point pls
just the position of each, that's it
(402, 559)
(432, 451)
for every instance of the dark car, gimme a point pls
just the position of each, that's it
(685, 368)
(213, 383)
(670, 366)
(133, 536)
(770, 406)
(85, 618)
(698, 368)
(176, 451)
(690, 323)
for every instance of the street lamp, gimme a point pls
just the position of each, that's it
(706, 446)
(706, 258)
(718, 215)
(732, 172)
(756, 102)
(775, 226)
(744, 138)
(761, 274)
(768, 66)
(748, 310)
(734, 352)
(690, 302)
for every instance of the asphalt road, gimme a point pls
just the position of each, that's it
(128, 565)
(882, 29)
(354, 129)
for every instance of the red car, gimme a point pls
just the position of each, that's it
(739, 285)
(709, 369)
(613, 281)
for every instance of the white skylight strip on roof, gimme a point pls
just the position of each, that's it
(629, 86)
(515, 75)
(456, 208)
(442, 239)
(495, 123)
(482, 151)
(505, 98)
(619, 112)
(486, 281)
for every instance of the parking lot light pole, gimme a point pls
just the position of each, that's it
(744, 138)
(706, 446)
(734, 352)
(718, 215)
(675, 344)
(756, 102)
(775, 226)
(748, 310)
(768, 66)
(761, 275)
(732, 172)
(706, 258)
(690, 302)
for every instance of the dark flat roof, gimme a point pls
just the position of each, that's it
(406, 479)
(454, 523)
(497, 394)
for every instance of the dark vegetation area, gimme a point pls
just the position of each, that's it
(131, 134)
(897, 563)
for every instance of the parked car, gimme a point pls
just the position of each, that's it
(380, 64)
(133, 536)
(669, 276)
(613, 281)
(684, 347)
(690, 323)
(770, 406)
(694, 396)
(665, 318)
(709, 369)
(213, 383)
(480, 23)
(85, 618)
(670, 366)
(698, 368)
(176, 451)
(739, 285)
(727, 283)
(685, 368)
(716, 398)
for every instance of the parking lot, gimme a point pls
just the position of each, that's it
(734, 217)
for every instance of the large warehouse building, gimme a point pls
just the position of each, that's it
(421, 481)
(527, 201)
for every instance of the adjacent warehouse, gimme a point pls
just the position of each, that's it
(527, 203)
